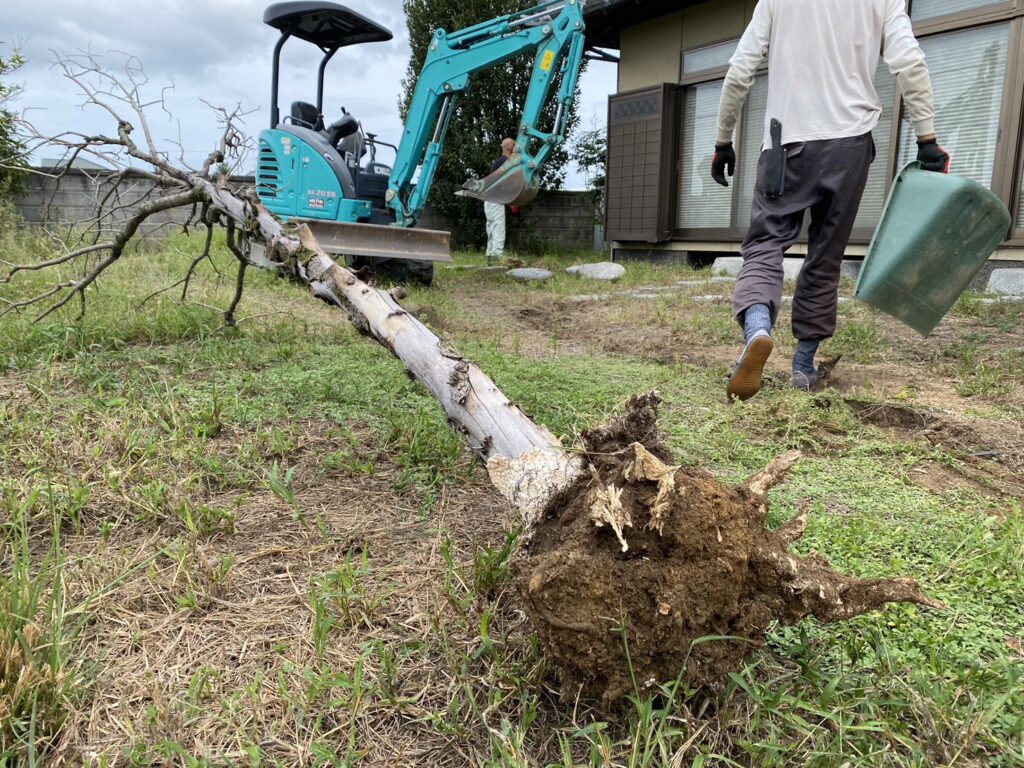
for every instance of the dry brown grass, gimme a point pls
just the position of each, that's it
(210, 645)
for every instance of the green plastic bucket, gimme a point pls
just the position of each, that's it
(935, 234)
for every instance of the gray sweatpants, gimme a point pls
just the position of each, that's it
(826, 177)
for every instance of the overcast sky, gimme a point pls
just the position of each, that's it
(218, 51)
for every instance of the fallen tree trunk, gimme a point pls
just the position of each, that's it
(526, 463)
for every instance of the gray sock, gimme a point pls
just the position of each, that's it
(803, 360)
(756, 318)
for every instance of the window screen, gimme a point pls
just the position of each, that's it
(708, 58)
(877, 188)
(750, 149)
(1020, 205)
(967, 70)
(702, 202)
(930, 9)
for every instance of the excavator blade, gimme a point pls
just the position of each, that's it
(508, 185)
(381, 240)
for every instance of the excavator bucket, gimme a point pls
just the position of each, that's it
(509, 185)
(381, 240)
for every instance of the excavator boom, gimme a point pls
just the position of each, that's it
(553, 31)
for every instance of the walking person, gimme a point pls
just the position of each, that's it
(494, 213)
(822, 107)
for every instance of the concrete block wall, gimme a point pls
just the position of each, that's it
(1003, 278)
(562, 217)
(76, 195)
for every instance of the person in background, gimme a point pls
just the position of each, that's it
(494, 213)
(821, 56)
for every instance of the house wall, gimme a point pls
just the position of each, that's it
(711, 22)
(650, 52)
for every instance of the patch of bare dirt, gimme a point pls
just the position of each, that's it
(549, 326)
(990, 452)
(214, 642)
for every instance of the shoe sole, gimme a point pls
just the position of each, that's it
(746, 379)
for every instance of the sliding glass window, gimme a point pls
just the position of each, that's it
(923, 10)
(702, 203)
(968, 69)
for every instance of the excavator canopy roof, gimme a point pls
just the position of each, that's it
(327, 25)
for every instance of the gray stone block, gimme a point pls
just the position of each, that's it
(604, 270)
(529, 273)
(790, 267)
(728, 264)
(850, 269)
(1009, 281)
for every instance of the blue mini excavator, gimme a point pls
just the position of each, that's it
(329, 177)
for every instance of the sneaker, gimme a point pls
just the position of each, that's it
(805, 381)
(745, 381)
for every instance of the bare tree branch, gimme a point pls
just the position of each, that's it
(229, 315)
(115, 249)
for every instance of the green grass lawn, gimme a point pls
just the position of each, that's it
(263, 545)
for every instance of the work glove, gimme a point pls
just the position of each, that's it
(932, 157)
(724, 160)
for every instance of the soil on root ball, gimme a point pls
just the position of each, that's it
(625, 576)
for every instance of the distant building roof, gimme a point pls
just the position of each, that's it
(606, 18)
(80, 162)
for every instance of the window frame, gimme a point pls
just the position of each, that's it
(739, 224)
(969, 18)
(1013, 143)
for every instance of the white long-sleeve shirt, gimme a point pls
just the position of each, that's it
(822, 56)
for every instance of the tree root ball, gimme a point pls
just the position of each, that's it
(632, 570)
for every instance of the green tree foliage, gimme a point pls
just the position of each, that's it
(588, 153)
(488, 112)
(12, 148)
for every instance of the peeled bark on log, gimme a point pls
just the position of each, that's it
(628, 561)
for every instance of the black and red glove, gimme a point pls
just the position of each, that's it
(932, 157)
(514, 208)
(724, 160)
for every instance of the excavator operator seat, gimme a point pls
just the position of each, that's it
(303, 114)
(344, 126)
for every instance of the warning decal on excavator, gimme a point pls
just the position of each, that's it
(545, 63)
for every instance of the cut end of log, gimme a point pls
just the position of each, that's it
(531, 480)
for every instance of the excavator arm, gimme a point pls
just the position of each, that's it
(552, 30)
